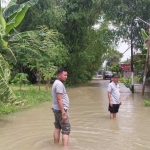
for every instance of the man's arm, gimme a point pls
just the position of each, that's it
(61, 106)
(109, 98)
(120, 101)
(60, 102)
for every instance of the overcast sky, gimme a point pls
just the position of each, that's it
(4, 2)
(122, 47)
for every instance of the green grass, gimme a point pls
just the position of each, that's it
(127, 81)
(147, 102)
(27, 97)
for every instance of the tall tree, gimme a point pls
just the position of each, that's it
(74, 20)
(122, 14)
(48, 12)
(77, 29)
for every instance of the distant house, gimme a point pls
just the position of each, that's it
(125, 69)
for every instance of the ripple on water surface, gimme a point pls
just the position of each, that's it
(91, 127)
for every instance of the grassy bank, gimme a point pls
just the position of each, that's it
(27, 97)
(127, 81)
(147, 102)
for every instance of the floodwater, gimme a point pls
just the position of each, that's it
(91, 127)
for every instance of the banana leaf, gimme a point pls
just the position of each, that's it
(16, 13)
(6, 94)
(3, 43)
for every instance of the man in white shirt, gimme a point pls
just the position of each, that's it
(60, 108)
(114, 96)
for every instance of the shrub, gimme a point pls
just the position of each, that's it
(147, 102)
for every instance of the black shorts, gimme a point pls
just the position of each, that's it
(114, 108)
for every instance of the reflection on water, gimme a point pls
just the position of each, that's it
(91, 127)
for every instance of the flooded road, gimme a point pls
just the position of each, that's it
(91, 127)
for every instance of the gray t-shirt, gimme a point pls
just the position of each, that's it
(59, 88)
(114, 92)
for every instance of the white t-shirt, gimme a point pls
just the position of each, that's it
(114, 90)
(59, 88)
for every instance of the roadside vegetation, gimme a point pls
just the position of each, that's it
(127, 81)
(147, 102)
(27, 97)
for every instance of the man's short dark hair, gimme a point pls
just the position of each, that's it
(60, 70)
(115, 76)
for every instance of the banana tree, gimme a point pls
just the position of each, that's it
(10, 17)
(37, 51)
(21, 79)
(146, 44)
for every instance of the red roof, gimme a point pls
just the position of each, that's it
(125, 66)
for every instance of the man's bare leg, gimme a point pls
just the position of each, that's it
(65, 139)
(114, 115)
(56, 136)
(111, 116)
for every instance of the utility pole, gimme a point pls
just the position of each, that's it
(132, 73)
(146, 63)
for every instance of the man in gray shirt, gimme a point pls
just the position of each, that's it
(114, 96)
(60, 108)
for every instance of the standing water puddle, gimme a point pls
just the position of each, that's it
(91, 127)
